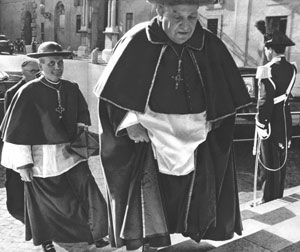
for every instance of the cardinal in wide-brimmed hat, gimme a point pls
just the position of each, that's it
(50, 48)
(177, 2)
(278, 38)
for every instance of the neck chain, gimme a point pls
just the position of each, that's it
(60, 109)
(178, 77)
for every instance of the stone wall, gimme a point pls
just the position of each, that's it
(86, 76)
(12, 21)
(141, 10)
(11, 18)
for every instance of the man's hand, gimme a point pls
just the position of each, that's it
(262, 132)
(138, 133)
(26, 174)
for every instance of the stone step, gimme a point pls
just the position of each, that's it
(270, 227)
(273, 226)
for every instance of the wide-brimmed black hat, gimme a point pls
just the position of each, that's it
(177, 2)
(49, 48)
(278, 38)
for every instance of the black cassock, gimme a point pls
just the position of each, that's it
(68, 207)
(145, 205)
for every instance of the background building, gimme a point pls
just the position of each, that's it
(82, 25)
(72, 23)
(234, 22)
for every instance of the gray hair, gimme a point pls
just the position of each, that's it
(28, 61)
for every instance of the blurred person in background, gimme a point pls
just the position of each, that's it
(14, 185)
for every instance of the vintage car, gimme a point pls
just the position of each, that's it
(245, 120)
(6, 45)
(7, 80)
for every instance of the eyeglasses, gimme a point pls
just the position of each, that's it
(33, 71)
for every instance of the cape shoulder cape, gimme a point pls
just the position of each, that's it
(32, 119)
(131, 169)
(130, 75)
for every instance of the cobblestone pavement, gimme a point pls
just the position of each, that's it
(12, 232)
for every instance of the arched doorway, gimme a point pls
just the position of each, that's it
(59, 23)
(27, 28)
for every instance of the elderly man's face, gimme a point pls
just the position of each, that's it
(52, 67)
(30, 70)
(178, 21)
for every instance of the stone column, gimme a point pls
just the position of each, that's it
(108, 14)
(113, 13)
(111, 31)
(84, 48)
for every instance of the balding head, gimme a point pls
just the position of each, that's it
(30, 68)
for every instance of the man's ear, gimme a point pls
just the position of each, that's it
(40, 66)
(160, 9)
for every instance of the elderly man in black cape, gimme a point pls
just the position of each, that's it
(168, 99)
(62, 200)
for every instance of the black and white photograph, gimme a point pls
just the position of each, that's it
(149, 125)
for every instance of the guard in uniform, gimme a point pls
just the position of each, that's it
(273, 120)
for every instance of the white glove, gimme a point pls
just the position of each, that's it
(263, 131)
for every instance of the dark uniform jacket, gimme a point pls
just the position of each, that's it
(276, 77)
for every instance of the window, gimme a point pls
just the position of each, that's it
(60, 13)
(42, 31)
(62, 22)
(78, 23)
(77, 2)
(276, 24)
(129, 21)
(212, 25)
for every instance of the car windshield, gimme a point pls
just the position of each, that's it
(3, 37)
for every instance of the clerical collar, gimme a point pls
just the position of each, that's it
(49, 83)
(52, 82)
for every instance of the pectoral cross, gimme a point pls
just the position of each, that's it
(178, 77)
(60, 109)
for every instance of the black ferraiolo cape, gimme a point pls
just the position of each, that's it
(32, 119)
(136, 210)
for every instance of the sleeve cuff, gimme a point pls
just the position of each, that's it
(16, 155)
(27, 166)
(262, 125)
(129, 120)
